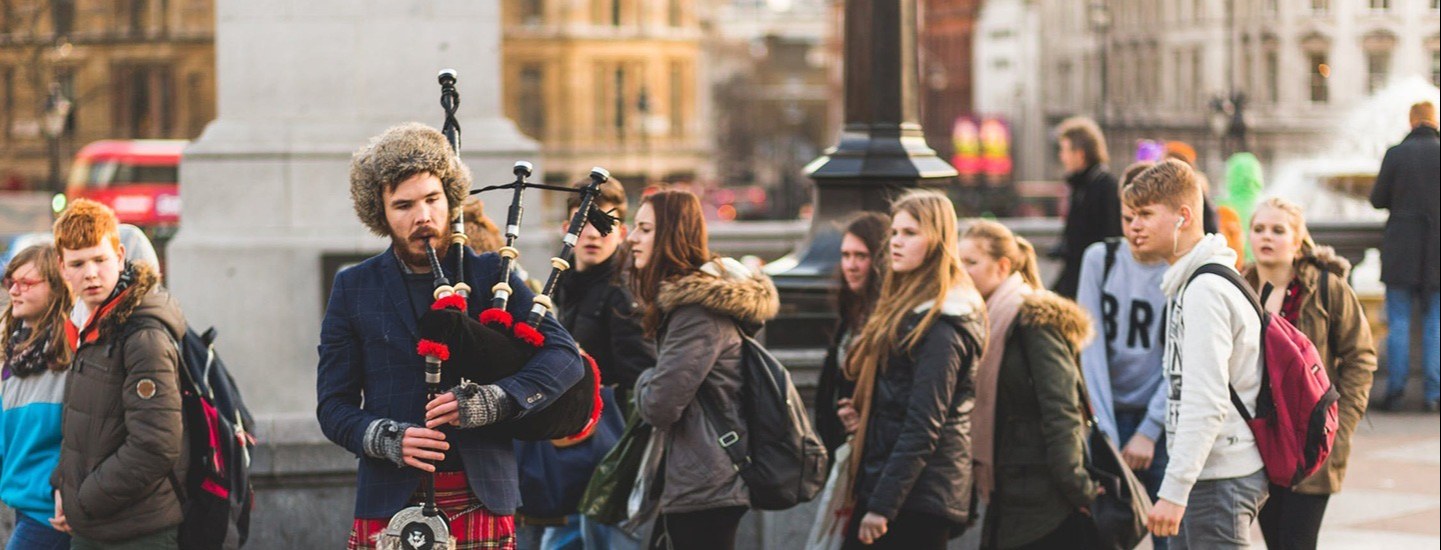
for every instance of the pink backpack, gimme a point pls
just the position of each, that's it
(1296, 412)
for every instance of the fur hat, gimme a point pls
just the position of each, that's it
(395, 155)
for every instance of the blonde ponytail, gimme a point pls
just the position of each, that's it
(999, 242)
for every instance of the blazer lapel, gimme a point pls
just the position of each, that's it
(396, 291)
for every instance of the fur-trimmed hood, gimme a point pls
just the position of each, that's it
(141, 298)
(1046, 309)
(724, 286)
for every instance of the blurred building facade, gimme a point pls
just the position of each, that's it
(1175, 69)
(947, 48)
(770, 70)
(76, 71)
(612, 83)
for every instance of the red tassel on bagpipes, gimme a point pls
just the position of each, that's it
(496, 316)
(431, 348)
(529, 335)
(453, 301)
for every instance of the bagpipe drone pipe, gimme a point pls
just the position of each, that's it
(493, 344)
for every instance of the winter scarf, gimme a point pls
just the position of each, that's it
(1001, 309)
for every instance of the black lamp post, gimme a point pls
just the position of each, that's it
(882, 152)
(52, 124)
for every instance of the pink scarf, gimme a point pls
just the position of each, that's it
(1001, 309)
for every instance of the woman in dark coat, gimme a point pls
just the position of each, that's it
(1030, 427)
(861, 269)
(912, 364)
(695, 305)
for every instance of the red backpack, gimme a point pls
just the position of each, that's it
(1296, 412)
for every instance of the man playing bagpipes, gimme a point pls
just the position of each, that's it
(407, 184)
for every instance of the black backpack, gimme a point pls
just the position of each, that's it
(781, 459)
(215, 496)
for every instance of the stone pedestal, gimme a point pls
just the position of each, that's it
(267, 217)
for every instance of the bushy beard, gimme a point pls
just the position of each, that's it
(412, 252)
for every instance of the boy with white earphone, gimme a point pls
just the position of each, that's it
(1215, 483)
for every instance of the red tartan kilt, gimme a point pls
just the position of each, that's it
(474, 529)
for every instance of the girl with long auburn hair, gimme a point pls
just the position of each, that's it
(1309, 290)
(38, 346)
(1029, 423)
(912, 367)
(696, 305)
(863, 263)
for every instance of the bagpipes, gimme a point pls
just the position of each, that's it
(493, 345)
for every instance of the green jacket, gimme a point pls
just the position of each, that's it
(1040, 428)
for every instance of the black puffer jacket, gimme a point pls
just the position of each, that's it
(600, 313)
(917, 453)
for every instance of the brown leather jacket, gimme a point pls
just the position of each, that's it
(1343, 339)
(122, 436)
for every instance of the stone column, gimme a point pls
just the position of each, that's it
(267, 217)
(882, 152)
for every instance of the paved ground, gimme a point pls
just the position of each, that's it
(1392, 494)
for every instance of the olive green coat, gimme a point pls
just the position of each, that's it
(1040, 427)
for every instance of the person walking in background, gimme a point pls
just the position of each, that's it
(1095, 210)
(863, 261)
(913, 365)
(1409, 184)
(1029, 425)
(595, 305)
(38, 347)
(122, 434)
(1215, 482)
(695, 306)
(1310, 292)
(1121, 290)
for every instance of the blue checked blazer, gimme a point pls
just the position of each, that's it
(369, 370)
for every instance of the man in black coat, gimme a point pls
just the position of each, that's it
(1095, 205)
(1409, 184)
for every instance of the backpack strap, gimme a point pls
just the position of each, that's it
(1113, 244)
(1235, 279)
(727, 436)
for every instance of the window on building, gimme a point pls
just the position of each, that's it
(615, 12)
(134, 15)
(1380, 5)
(532, 12)
(1198, 79)
(618, 122)
(1378, 70)
(1273, 82)
(63, 14)
(677, 100)
(1320, 73)
(1436, 68)
(531, 113)
(1320, 6)
(144, 101)
(7, 105)
(674, 13)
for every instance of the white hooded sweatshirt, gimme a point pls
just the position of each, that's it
(1213, 338)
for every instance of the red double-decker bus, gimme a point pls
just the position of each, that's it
(139, 179)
